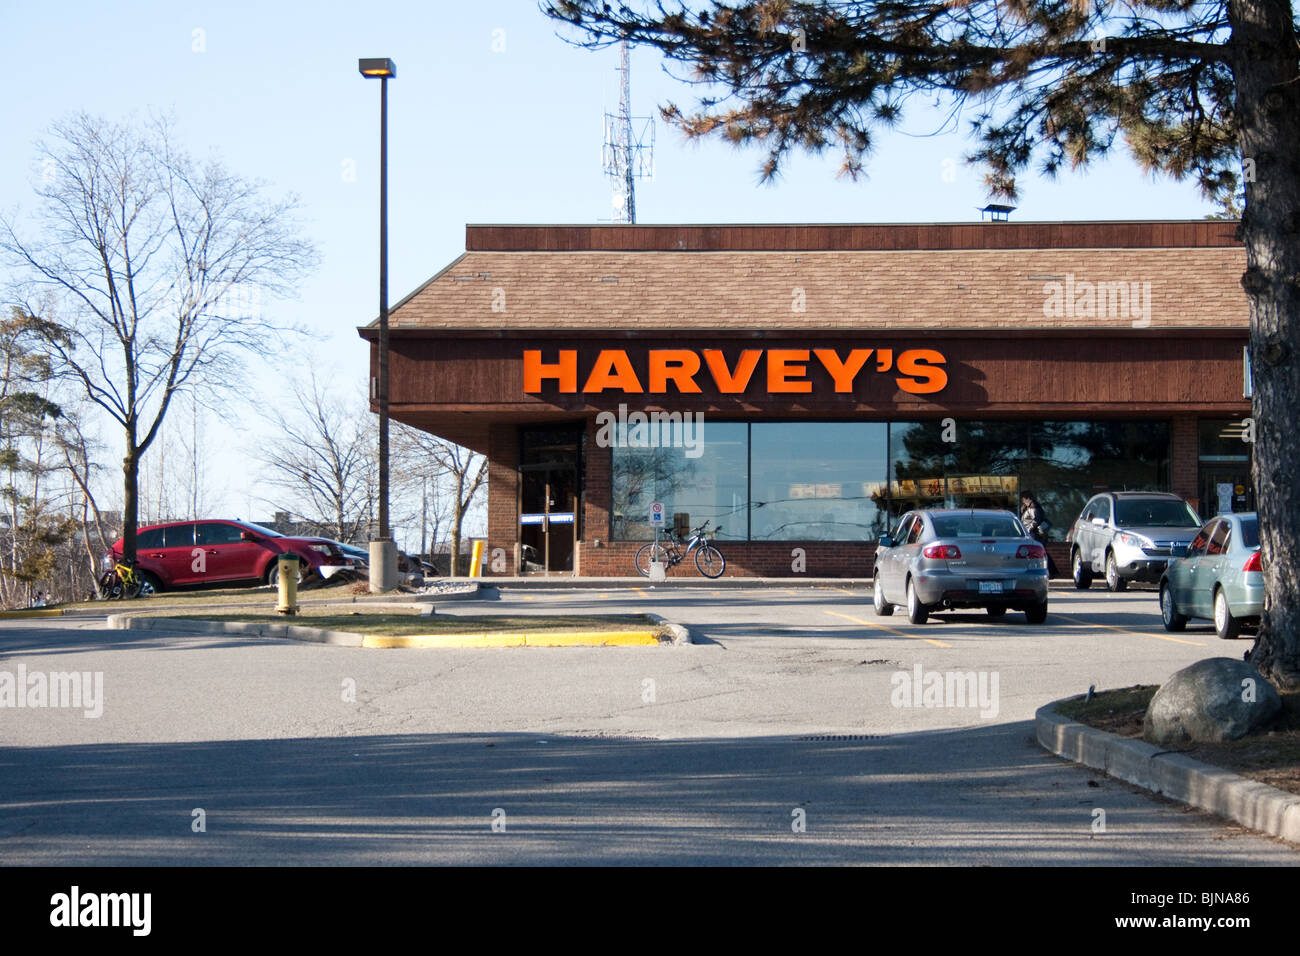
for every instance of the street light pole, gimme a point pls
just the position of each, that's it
(383, 552)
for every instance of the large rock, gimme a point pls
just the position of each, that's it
(1210, 702)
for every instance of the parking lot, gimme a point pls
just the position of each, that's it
(793, 700)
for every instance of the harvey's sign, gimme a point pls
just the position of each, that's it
(784, 371)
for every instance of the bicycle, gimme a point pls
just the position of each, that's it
(669, 552)
(120, 581)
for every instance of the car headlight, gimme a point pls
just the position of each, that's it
(1135, 540)
(322, 548)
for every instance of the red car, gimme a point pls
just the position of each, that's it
(206, 552)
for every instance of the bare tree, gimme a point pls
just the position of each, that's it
(79, 461)
(457, 472)
(157, 263)
(324, 459)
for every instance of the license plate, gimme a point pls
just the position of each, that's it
(990, 587)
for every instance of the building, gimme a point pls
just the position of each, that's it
(802, 385)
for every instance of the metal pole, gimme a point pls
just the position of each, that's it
(383, 309)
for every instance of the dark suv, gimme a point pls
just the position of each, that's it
(205, 552)
(1129, 536)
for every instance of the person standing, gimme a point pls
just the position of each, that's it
(1034, 518)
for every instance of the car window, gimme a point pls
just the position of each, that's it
(902, 529)
(1103, 509)
(918, 526)
(978, 526)
(1200, 541)
(1089, 512)
(153, 538)
(1250, 532)
(1155, 513)
(1218, 539)
(214, 532)
(178, 536)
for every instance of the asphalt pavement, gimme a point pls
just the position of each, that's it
(801, 729)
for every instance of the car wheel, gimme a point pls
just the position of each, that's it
(883, 607)
(917, 612)
(1114, 582)
(149, 584)
(1169, 611)
(1225, 625)
(1082, 575)
(1036, 613)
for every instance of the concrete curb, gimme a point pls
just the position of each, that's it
(699, 583)
(1171, 774)
(293, 632)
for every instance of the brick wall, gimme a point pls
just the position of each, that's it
(822, 559)
(1184, 464)
(503, 496)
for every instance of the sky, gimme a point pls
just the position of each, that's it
(493, 118)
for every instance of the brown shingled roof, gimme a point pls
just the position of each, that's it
(1193, 286)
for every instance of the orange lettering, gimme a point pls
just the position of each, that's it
(612, 370)
(727, 382)
(565, 370)
(781, 364)
(925, 378)
(676, 365)
(843, 372)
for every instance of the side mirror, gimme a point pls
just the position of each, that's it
(885, 541)
(1099, 522)
(247, 536)
(1178, 551)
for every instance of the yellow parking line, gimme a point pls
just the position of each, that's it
(641, 591)
(841, 590)
(885, 627)
(1126, 630)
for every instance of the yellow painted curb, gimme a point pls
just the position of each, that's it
(39, 612)
(542, 639)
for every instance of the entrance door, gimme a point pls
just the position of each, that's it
(1226, 488)
(548, 518)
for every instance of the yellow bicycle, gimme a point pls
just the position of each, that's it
(120, 581)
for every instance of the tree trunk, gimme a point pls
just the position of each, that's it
(1268, 116)
(130, 498)
(457, 517)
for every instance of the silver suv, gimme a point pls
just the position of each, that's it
(1129, 536)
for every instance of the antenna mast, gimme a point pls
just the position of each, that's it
(628, 151)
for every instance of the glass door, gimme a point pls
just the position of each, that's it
(548, 518)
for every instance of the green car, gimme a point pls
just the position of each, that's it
(1218, 577)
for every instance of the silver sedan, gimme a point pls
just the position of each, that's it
(954, 558)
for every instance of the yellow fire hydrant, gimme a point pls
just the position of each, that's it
(287, 573)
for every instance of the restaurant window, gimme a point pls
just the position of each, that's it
(818, 481)
(1072, 461)
(706, 481)
(946, 463)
